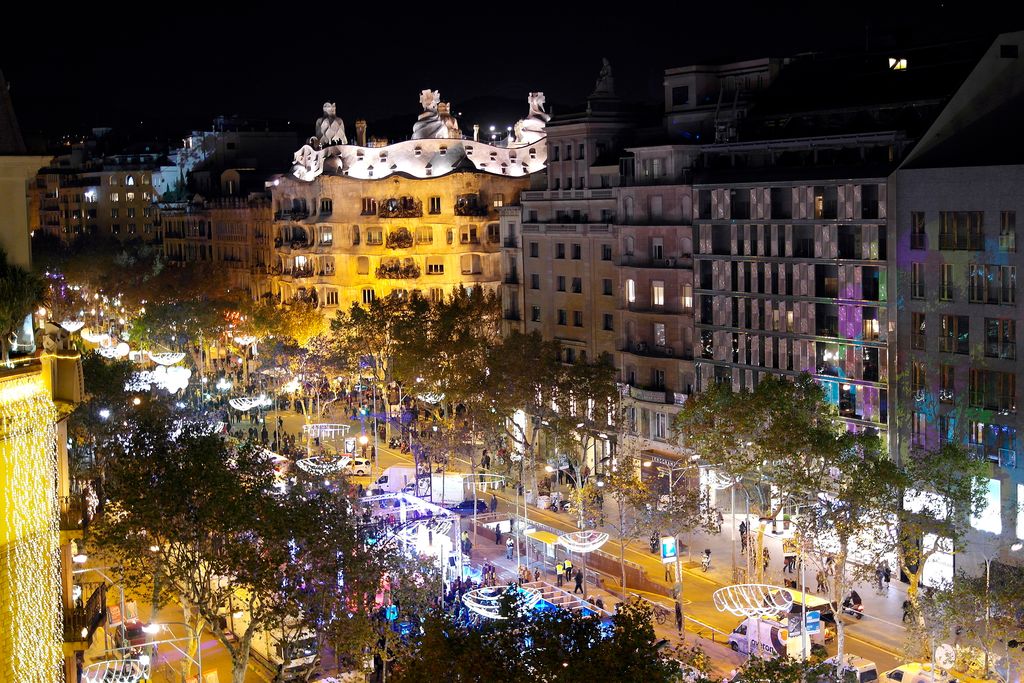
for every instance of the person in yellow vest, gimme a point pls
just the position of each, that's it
(568, 569)
(559, 571)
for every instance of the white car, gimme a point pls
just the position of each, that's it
(359, 467)
(916, 672)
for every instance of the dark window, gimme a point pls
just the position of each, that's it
(534, 249)
(560, 283)
(562, 316)
(606, 285)
(577, 285)
(535, 314)
(1008, 51)
(559, 250)
(606, 252)
(608, 324)
(680, 95)
(577, 252)
(534, 281)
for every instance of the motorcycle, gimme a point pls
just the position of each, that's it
(854, 609)
(395, 442)
(705, 560)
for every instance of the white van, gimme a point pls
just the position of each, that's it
(394, 479)
(764, 637)
(854, 669)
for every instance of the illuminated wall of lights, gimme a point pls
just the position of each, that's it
(31, 633)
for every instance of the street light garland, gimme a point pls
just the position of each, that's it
(28, 564)
(116, 671)
(585, 541)
(247, 403)
(753, 599)
(486, 601)
(166, 358)
(319, 466)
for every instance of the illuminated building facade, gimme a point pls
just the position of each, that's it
(353, 223)
(954, 207)
(37, 387)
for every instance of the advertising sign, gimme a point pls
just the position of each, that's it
(669, 552)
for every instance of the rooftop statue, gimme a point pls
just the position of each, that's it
(330, 130)
(531, 129)
(429, 124)
(308, 163)
(605, 82)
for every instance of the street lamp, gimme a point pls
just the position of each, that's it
(988, 607)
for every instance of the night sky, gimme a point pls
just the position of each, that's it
(175, 65)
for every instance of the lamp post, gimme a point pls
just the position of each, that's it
(988, 608)
(154, 628)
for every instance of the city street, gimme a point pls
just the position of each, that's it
(878, 637)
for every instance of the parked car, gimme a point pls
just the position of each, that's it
(466, 507)
(359, 467)
(915, 672)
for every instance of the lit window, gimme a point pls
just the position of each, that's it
(898, 63)
(687, 296)
(326, 234)
(129, 181)
(129, 196)
(989, 518)
(658, 293)
(631, 291)
(114, 197)
(499, 200)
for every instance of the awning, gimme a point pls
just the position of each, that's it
(659, 458)
(545, 536)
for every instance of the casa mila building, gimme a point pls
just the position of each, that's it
(356, 221)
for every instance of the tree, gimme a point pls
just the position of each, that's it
(781, 670)
(852, 511)
(942, 490)
(183, 325)
(633, 498)
(377, 332)
(21, 291)
(773, 436)
(552, 646)
(201, 519)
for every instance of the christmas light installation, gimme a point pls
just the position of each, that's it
(28, 556)
(320, 466)
(486, 601)
(753, 600)
(72, 326)
(247, 403)
(94, 338)
(166, 358)
(585, 541)
(130, 670)
(325, 430)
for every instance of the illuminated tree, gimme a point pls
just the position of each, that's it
(202, 521)
(20, 292)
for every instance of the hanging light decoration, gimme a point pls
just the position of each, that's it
(72, 326)
(585, 541)
(247, 403)
(95, 338)
(319, 466)
(486, 601)
(325, 430)
(116, 671)
(753, 599)
(167, 358)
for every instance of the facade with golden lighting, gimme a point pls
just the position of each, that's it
(354, 222)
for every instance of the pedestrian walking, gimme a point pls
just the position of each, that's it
(679, 618)
(509, 544)
(906, 610)
(766, 558)
(497, 535)
(559, 571)
(494, 503)
(879, 576)
(579, 582)
(822, 580)
(536, 574)
(886, 573)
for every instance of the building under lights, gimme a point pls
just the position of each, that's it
(40, 631)
(354, 222)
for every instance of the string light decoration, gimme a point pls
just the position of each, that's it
(247, 403)
(320, 467)
(753, 600)
(115, 671)
(583, 541)
(72, 326)
(167, 358)
(325, 430)
(94, 338)
(29, 534)
(486, 601)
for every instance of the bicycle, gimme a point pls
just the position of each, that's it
(660, 614)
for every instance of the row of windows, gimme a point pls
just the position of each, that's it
(555, 151)
(116, 197)
(963, 230)
(955, 335)
(576, 250)
(436, 294)
(987, 284)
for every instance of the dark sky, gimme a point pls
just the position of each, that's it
(175, 65)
